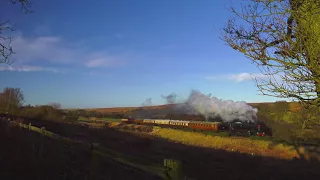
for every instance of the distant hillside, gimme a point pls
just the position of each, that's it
(127, 109)
(158, 107)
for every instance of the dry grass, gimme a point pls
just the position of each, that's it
(241, 145)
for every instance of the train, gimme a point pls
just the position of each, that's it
(232, 128)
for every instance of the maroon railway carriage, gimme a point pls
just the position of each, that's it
(204, 126)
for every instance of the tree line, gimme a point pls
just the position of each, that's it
(12, 102)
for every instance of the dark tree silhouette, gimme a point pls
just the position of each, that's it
(6, 49)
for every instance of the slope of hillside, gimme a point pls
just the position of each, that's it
(157, 107)
(127, 109)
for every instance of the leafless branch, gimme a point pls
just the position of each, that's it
(6, 50)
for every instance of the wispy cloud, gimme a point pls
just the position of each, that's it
(27, 69)
(45, 49)
(55, 52)
(238, 77)
(104, 60)
(246, 76)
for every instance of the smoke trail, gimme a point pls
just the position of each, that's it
(170, 99)
(212, 107)
(147, 102)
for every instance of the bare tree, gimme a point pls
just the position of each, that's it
(5, 41)
(282, 37)
(11, 99)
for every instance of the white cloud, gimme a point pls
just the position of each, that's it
(246, 76)
(45, 49)
(238, 77)
(103, 62)
(27, 69)
(56, 51)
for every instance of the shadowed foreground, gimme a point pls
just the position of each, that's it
(199, 163)
(28, 155)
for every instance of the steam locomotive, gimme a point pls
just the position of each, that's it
(233, 128)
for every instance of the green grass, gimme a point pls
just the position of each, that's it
(263, 147)
(110, 119)
(210, 133)
(81, 118)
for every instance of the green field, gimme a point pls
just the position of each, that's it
(81, 118)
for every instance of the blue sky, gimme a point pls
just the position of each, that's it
(118, 53)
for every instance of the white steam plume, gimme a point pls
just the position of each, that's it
(212, 107)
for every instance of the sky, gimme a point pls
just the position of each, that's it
(102, 53)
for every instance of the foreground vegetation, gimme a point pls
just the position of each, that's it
(28, 154)
(253, 146)
(242, 145)
(193, 149)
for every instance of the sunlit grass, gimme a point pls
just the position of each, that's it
(252, 145)
(238, 144)
(81, 118)
(110, 119)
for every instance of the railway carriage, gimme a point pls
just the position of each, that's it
(139, 121)
(124, 120)
(149, 121)
(162, 121)
(179, 123)
(205, 126)
(232, 128)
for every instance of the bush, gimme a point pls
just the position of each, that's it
(41, 112)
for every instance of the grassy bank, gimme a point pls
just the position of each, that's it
(263, 146)
(81, 118)
(242, 145)
(253, 146)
